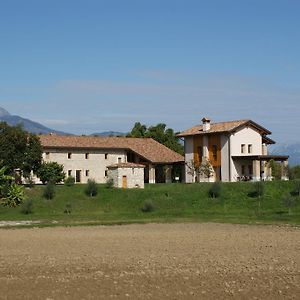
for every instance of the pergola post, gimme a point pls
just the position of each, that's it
(284, 166)
(168, 174)
(256, 170)
(151, 174)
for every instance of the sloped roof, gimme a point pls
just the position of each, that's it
(229, 126)
(147, 148)
(126, 165)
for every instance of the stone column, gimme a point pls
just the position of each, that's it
(256, 170)
(151, 174)
(284, 165)
(168, 174)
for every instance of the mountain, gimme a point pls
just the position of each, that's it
(109, 133)
(293, 150)
(27, 124)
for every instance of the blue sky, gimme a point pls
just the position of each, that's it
(90, 66)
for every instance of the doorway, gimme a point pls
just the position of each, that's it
(124, 182)
(78, 176)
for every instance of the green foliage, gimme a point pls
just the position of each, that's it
(160, 133)
(258, 189)
(91, 188)
(5, 181)
(215, 190)
(51, 172)
(19, 149)
(148, 206)
(296, 189)
(295, 172)
(68, 209)
(276, 169)
(288, 201)
(49, 191)
(70, 181)
(15, 196)
(109, 183)
(26, 207)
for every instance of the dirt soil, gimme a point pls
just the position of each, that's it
(155, 261)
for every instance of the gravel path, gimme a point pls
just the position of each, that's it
(154, 261)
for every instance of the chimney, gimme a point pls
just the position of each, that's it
(206, 124)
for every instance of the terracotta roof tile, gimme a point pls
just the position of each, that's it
(126, 165)
(221, 127)
(145, 147)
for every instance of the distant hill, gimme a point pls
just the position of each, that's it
(27, 124)
(109, 133)
(293, 150)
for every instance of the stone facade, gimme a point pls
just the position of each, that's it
(127, 175)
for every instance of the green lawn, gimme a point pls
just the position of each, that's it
(173, 203)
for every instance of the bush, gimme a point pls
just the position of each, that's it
(215, 190)
(296, 191)
(68, 208)
(15, 196)
(109, 183)
(70, 181)
(258, 189)
(49, 191)
(91, 189)
(27, 207)
(148, 206)
(289, 202)
(51, 172)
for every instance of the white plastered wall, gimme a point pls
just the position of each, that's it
(96, 163)
(189, 157)
(246, 135)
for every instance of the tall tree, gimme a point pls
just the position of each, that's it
(19, 149)
(160, 133)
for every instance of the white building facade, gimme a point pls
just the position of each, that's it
(235, 150)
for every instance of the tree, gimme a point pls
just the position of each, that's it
(51, 172)
(160, 133)
(206, 169)
(295, 172)
(19, 149)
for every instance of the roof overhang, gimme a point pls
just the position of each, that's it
(262, 157)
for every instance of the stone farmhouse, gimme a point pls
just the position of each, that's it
(86, 157)
(236, 150)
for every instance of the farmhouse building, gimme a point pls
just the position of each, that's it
(86, 157)
(235, 150)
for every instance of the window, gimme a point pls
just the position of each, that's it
(87, 173)
(69, 155)
(105, 173)
(69, 173)
(87, 156)
(119, 160)
(200, 152)
(243, 170)
(243, 146)
(215, 152)
(250, 148)
(106, 155)
(47, 155)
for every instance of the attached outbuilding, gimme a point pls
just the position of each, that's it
(127, 175)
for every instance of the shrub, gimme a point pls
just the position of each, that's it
(51, 172)
(258, 189)
(49, 191)
(289, 202)
(109, 183)
(68, 208)
(215, 190)
(27, 207)
(70, 181)
(91, 189)
(296, 191)
(148, 206)
(15, 196)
